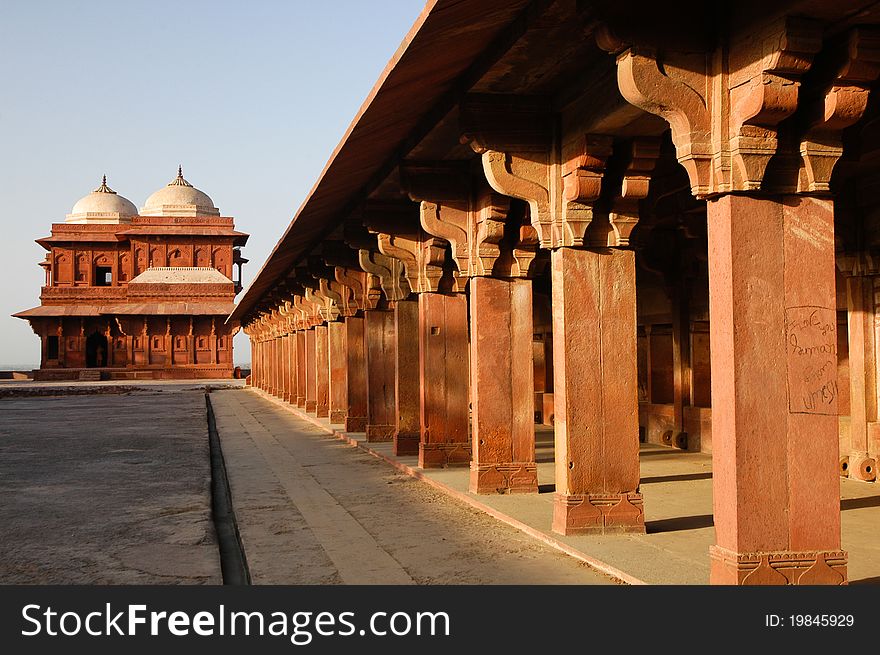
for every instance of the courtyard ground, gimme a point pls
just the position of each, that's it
(110, 488)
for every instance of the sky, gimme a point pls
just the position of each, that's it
(251, 97)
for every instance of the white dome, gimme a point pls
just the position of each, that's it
(179, 198)
(103, 205)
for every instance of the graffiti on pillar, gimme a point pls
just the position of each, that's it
(811, 345)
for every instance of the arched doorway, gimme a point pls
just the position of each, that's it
(96, 350)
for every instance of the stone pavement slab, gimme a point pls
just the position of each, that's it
(313, 510)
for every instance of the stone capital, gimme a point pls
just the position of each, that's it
(388, 271)
(358, 286)
(734, 110)
(458, 207)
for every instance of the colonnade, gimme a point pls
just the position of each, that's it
(412, 322)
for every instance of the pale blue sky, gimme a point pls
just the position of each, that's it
(250, 96)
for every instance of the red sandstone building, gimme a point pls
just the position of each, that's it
(139, 295)
(655, 224)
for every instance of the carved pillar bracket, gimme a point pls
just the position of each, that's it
(448, 222)
(322, 307)
(359, 285)
(582, 175)
(724, 107)
(331, 294)
(461, 209)
(514, 136)
(422, 259)
(311, 308)
(388, 271)
(624, 214)
(519, 177)
(844, 103)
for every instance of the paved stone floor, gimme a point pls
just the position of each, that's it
(677, 490)
(107, 489)
(313, 510)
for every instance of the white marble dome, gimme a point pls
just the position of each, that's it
(179, 198)
(103, 205)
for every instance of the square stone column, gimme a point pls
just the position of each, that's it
(292, 368)
(275, 377)
(311, 371)
(267, 360)
(596, 392)
(301, 367)
(380, 374)
(861, 321)
(338, 368)
(322, 372)
(285, 367)
(279, 366)
(256, 364)
(281, 359)
(355, 375)
(406, 378)
(502, 387)
(774, 392)
(443, 371)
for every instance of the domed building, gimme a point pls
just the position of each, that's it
(139, 294)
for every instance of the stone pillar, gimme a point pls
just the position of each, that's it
(292, 368)
(282, 366)
(272, 369)
(278, 364)
(774, 394)
(380, 374)
(596, 392)
(861, 321)
(301, 367)
(276, 360)
(322, 372)
(267, 369)
(254, 365)
(338, 369)
(267, 365)
(285, 367)
(502, 387)
(356, 375)
(443, 371)
(257, 364)
(406, 379)
(681, 362)
(311, 371)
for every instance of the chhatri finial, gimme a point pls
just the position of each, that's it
(179, 181)
(104, 188)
